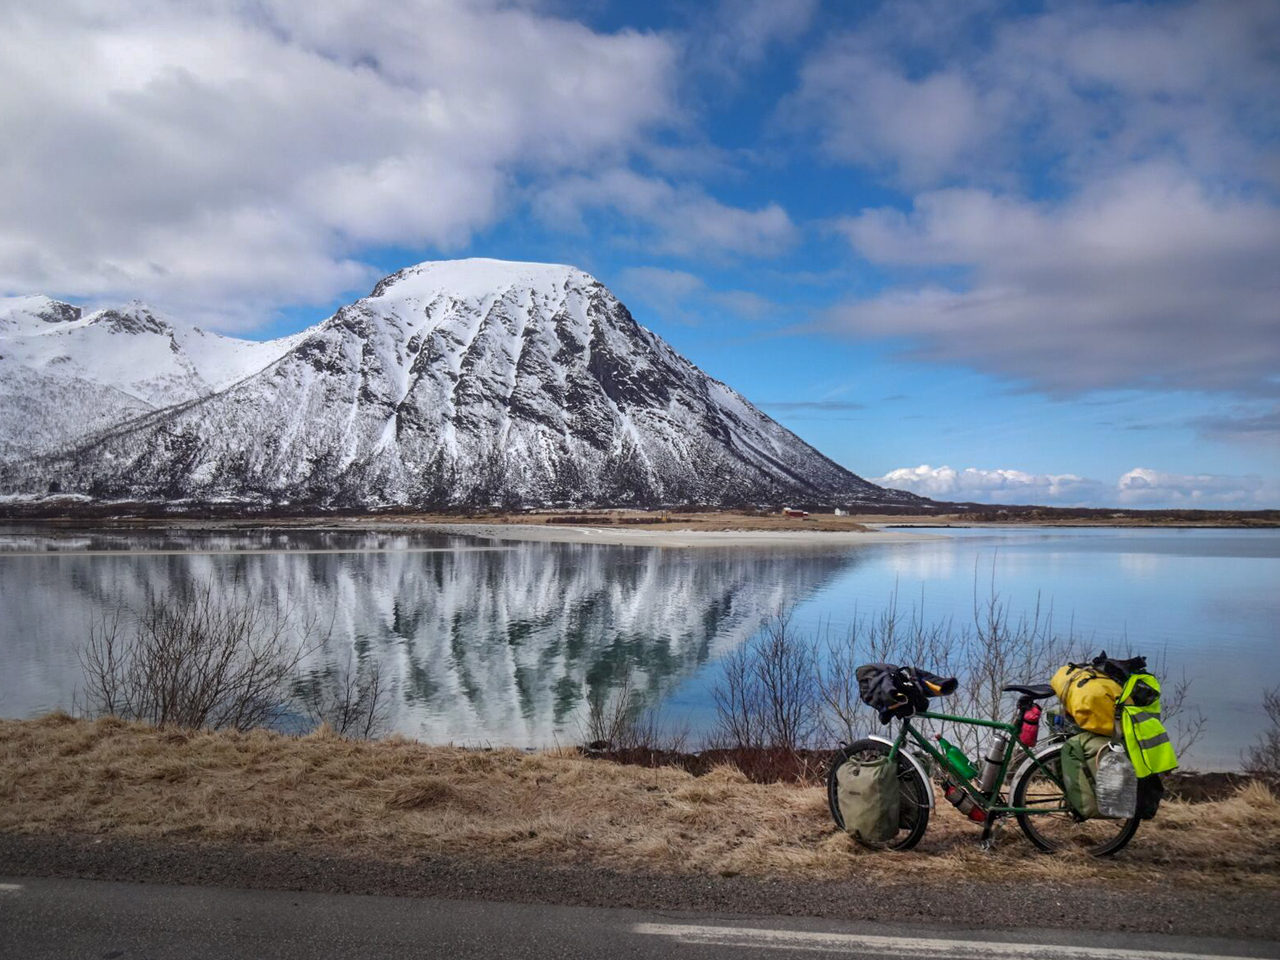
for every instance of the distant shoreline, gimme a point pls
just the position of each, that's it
(677, 537)
(670, 529)
(79, 511)
(674, 533)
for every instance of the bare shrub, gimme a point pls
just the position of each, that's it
(198, 659)
(1005, 649)
(612, 715)
(997, 649)
(768, 691)
(354, 700)
(1263, 758)
(894, 635)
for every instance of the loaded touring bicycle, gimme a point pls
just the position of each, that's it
(1016, 777)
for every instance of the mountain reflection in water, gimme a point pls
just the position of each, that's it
(481, 643)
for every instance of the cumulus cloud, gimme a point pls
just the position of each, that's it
(1138, 488)
(1144, 279)
(740, 33)
(993, 486)
(230, 151)
(1141, 487)
(1095, 188)
(931, 92)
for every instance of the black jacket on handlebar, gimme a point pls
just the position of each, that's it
(899, 691)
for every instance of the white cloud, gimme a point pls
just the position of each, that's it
(992, 486)
(1095, 187)
(1144, 279)
(1139, 488)
(740, 33)
(230, 151)
(939, 93)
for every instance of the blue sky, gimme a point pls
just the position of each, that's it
(1016, 252)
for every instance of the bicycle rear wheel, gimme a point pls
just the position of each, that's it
(913, 816)
(1062, 831)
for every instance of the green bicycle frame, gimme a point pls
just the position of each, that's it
(986, 801)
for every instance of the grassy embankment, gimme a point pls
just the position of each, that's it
(396, 800)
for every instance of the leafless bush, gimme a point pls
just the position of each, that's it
(768, 692)
(1186, 723)
(1263, 758)
(1004, 649)
(198, 659)
(353, 700)
(998, 648)
(612, 715)
(895, 636)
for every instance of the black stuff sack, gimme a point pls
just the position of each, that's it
(895, 691)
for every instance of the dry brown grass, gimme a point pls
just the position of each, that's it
(396, 800)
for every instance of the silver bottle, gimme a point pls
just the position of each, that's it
(994, 758)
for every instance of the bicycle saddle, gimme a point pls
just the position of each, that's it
(1036, 691)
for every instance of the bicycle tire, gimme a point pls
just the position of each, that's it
(913, 818)
(1054, 833)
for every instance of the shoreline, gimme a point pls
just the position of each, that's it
(678, 538)
(672, 534)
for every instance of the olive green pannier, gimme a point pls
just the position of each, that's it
(1079, 764)
(869, 797)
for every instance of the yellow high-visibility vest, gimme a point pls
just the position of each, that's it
(1145, 737)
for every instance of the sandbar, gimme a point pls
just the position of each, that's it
(680, 538)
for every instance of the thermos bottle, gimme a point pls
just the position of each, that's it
(993, 761)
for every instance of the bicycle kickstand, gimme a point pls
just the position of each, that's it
(988, 841)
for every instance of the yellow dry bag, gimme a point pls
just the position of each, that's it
(1089, 696)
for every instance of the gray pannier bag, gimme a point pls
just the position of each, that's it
(869, 797)
(1116, 783)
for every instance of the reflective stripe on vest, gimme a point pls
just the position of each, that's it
(1145, 737)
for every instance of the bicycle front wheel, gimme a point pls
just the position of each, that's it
(1059, 829)
(913, 816)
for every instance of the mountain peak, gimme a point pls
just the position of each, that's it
(135, 317)
(30, 314)
(478, 277)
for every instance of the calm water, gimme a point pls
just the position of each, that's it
(501, 642)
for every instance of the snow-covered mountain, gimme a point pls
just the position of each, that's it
(65, 375)
(469, 381)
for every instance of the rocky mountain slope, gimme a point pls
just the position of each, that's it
(458, 382)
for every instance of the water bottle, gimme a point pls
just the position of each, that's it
(957, 758)
(1030, 728)
(1115, 784)
(993, 762)
(963, 802)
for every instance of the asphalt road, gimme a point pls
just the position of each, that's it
(127, 921)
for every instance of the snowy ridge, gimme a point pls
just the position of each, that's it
(78, 373)
(458, 382)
